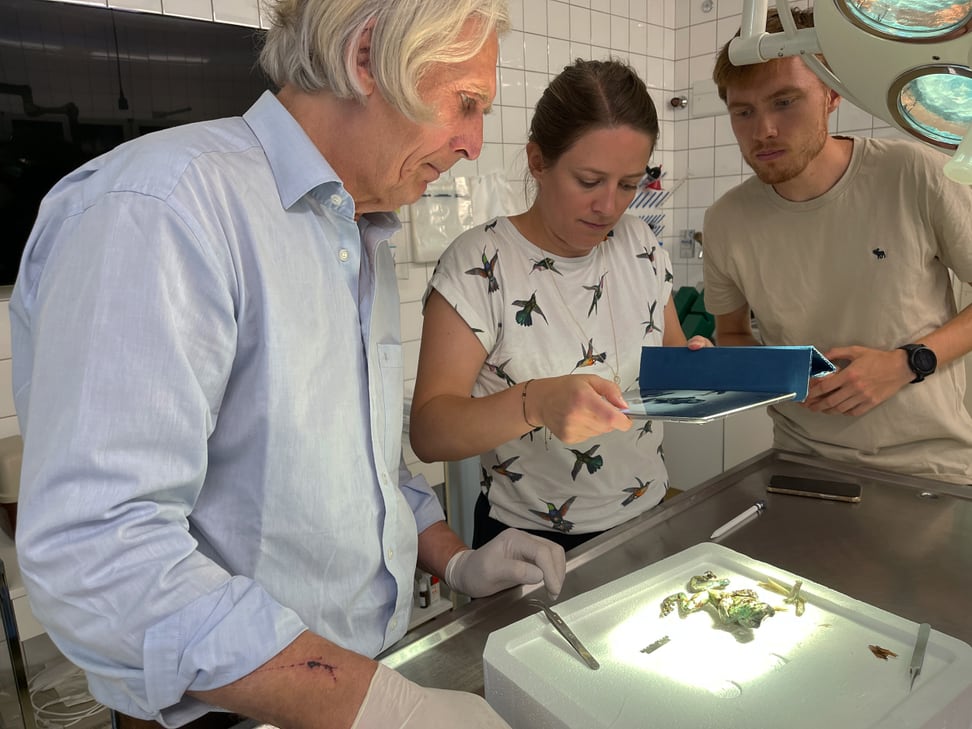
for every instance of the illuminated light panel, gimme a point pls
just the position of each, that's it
(704, 654)
(810, 671)
(934, 103)
(908, 19)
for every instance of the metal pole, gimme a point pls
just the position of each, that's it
(12, 636)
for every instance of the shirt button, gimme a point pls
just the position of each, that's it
(336, 200)
(391, 553)
(393, 624)
(344, 255)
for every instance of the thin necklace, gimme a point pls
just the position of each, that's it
(599, 289)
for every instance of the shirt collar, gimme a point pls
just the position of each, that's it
(379, 226)
(298, 166)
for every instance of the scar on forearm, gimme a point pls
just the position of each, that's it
(311, 664)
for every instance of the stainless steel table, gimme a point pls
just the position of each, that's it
(906, 548)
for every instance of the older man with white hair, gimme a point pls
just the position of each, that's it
(209, 383)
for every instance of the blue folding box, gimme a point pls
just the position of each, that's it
(698, 386)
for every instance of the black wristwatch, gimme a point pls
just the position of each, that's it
(921, 360)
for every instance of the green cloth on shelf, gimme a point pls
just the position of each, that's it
(698, 306)
(684, 299)
(703, 324)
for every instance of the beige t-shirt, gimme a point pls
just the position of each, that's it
(867, 263)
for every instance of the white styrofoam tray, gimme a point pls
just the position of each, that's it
(814, 670)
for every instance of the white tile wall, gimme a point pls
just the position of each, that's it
(238, 12)
(148, 6)
(670, 42)
(8, 419)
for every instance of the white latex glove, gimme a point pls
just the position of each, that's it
(509, 559)
(394, 702)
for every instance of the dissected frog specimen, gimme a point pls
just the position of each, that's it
(733, 607)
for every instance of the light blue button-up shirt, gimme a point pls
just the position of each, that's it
(208, 376)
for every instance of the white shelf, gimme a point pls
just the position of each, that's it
(423, 615)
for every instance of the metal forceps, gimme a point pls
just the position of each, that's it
(564, 630)
(918, 656)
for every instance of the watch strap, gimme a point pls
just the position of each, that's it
(910, 350)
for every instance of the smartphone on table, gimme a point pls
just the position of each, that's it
(816, 488)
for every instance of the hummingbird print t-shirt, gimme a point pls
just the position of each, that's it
(541, 315)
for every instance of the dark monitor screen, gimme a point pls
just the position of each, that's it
(75, 81)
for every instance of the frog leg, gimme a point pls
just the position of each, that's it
(669, 603)
(685, 603)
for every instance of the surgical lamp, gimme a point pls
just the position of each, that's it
(908, 62)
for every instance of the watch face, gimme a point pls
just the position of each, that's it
(924, 361)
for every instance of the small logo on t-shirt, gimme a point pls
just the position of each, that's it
(879, 254)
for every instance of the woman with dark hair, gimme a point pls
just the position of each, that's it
(540, 317)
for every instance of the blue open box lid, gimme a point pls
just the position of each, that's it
(698, 386)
